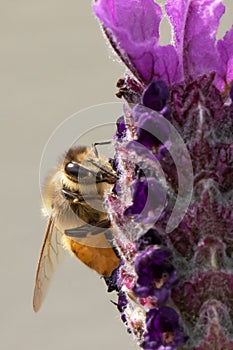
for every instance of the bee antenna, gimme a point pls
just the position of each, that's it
(99, 144)
(103, 169)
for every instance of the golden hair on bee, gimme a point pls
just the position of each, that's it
(73, 199)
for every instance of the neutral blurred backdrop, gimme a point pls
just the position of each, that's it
(53, 62)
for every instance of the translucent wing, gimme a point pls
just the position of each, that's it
(52, 253)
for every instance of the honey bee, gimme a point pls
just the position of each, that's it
(73, 199)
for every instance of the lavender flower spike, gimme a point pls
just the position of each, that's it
(175, 286)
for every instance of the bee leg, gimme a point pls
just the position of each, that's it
(103, 226)
(106, 223)
(69, 195)
(82, 231)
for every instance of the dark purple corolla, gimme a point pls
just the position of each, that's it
(148, 199)
(156, 274)
(121, 305)
(174, 160)
(150, 238)
(151, 128)
(121, 128)
(163, 330)
(156, 95)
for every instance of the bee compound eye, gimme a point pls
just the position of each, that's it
(72, 169)
(76, 170)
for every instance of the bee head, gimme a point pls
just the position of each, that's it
(83, 166)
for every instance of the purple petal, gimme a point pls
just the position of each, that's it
(133, 29)
(155, 95)
(150, 266)
(139, 19)
(225, 50)
(159, 321)
(164, 319)
(121, 305)
(112, 281)
(152, 128)
(167, 64)
(139, 194)
(149, 200)
(121, 128)
(195, 24)
(151, 237)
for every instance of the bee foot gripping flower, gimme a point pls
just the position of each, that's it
(171, 208)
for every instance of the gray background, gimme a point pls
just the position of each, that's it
(53, 63)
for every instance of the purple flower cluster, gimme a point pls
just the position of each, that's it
(163, 329)
(171, 207)
(156, 274)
